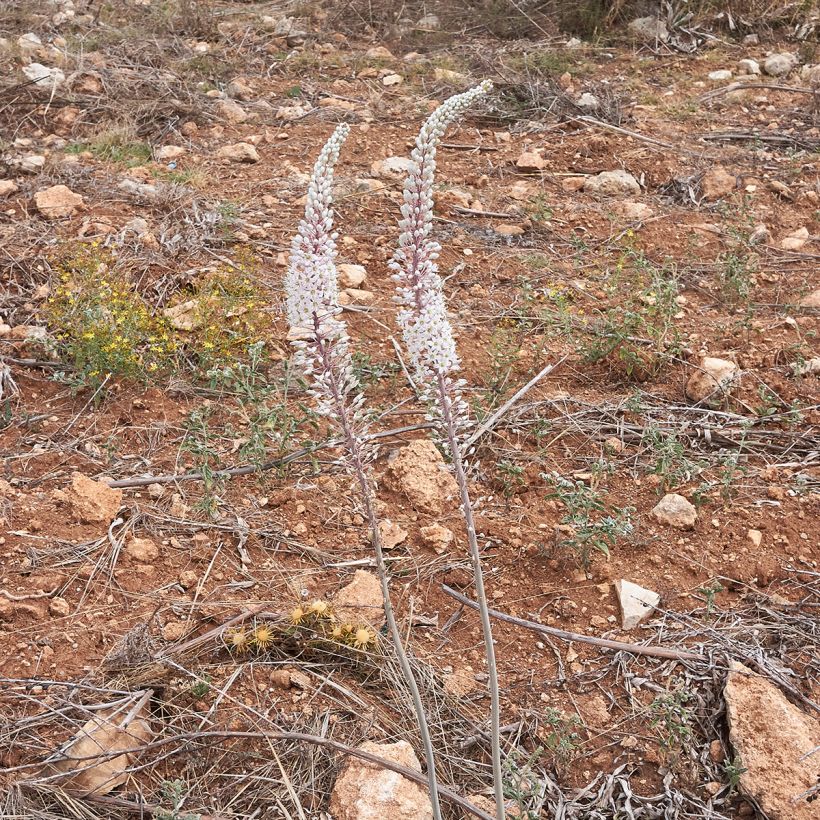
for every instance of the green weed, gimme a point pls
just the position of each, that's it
(588, 525)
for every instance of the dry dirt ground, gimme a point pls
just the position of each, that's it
(120, 313)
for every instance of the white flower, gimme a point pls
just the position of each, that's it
(423, 318)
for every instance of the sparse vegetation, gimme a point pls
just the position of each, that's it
(198, 530)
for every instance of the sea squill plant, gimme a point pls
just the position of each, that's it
(430, 342)
(323, 355)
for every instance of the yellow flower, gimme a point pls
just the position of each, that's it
(363, 638)
(262, 637)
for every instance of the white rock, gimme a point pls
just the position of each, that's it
(720, 74)
(239, 152)
(392, 79)
(43, 77)
(755, 537)
(429, 22)
(364, 791)
(675, 511)
(588, 102)
(32, 163)
(778, 65)
(712, 380)
(231, 111)
(795, 240)
(748, 66)
(168, 152)
(290, 112)
(637, 603)
(612, 183)
(649, 29)
(57, 202)
(394, 167)
(8, 187)
(351, 276)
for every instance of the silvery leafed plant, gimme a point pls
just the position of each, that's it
(319, 335)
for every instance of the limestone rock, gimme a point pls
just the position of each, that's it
(778, 65)
(43, 77)
(59, 608)
(169, 152)
(57, 202)
(711, 381)
(391, 534)
(418, 471)
(8, 187)
(795, 240)
(721, 74)
(633, 211)
(142, 550)
(812, 300)
(530, 162)
(351, 276)
(675, 511)
(365, 791)
(238, 152)
(612, 183)
(748, 66)
(392, 167)
(649, 29)
(773, 738)
(231, 111)
(92, 502)
(717, 183)
(637, 603)
(438, 537)
(379, 53)
(361, 601)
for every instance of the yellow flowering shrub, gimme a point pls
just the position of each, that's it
(100, 324)
(230, 314)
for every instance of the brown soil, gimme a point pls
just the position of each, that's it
(750, 462)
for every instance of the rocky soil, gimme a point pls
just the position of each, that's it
(641, 211)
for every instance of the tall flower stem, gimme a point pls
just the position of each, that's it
(446, 404)
(430, 341)
(357, 462)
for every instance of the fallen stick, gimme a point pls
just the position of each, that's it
(250, 469)
(494, 419)
(617, 646)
